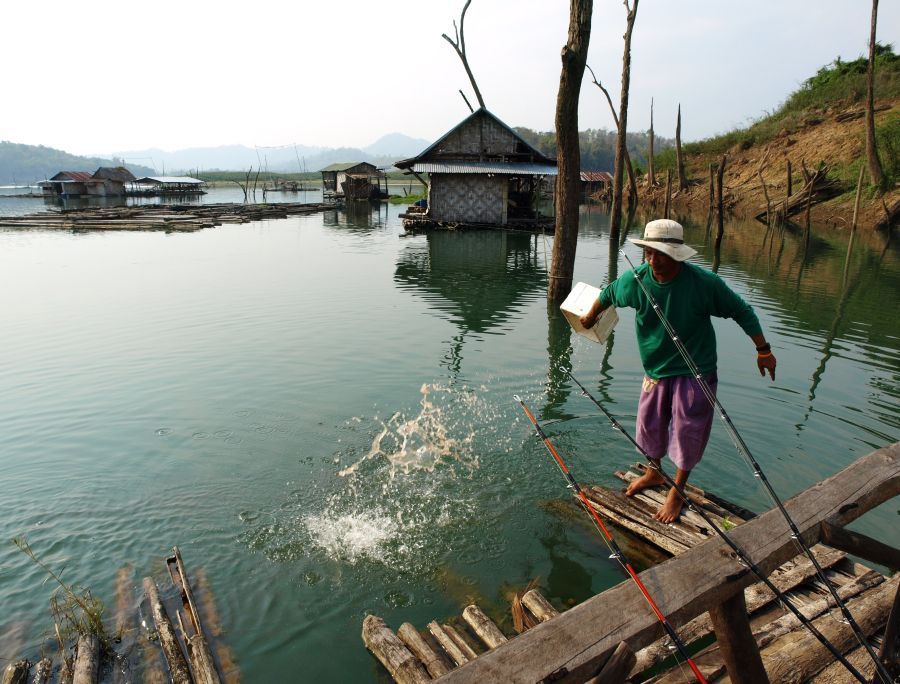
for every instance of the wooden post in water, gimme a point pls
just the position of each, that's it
(720, 229)
(668, 193)
(483, 626)
(735, 639)
(789, 179)
(712, 189)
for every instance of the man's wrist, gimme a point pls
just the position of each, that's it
(764, 348)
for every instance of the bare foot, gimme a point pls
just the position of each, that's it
(671, 509)
(650, 478)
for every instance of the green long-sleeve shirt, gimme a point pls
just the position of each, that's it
(688, 301)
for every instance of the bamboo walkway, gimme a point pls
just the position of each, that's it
(169, 218)
(636, 652)
(156, 638)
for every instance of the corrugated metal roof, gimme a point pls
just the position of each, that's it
(343, 166)
(76, 176)
(512, 168)
(596, 177)
(184, 180)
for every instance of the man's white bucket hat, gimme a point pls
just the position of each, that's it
(666, 236)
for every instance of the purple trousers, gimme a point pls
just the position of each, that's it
(675, 418)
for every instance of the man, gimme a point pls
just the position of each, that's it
(674, 416)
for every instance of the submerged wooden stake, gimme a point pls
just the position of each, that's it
(16, 673)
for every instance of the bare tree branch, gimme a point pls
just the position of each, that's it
(459, 44)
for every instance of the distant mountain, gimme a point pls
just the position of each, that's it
(289, 158)
(28, 164)
(396, 145)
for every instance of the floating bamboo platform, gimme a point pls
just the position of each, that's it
(170, 218)
(705, 592)
(160, 638)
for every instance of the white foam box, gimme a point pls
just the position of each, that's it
(578, 303)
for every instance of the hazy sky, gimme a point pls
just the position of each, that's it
(105, 76)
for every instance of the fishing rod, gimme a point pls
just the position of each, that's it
(617, 553)
(744, 450)
(780, 596)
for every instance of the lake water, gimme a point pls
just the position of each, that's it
(318, 411)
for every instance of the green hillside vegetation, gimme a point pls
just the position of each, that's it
(839, 84)
(598, 146)
(27, 164)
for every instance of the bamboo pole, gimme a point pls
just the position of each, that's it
(450, 647)
(87, 660)
(483, 626)
(392, 653)
(178, 667)
(539, 606)
(202, 663)
(414, 641)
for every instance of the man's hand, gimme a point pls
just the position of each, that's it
(766, 362)
(590, 318)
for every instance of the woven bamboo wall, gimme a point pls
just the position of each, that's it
(471, 198)
(480, 136)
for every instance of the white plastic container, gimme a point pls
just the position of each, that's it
(578, 303)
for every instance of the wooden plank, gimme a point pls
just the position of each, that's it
(404, 667)
(785, 625)
(432, 661)
(578, 641)
(736, 646)
(178, 667)
(890, 646)
(483, 626)
(798, 656)
(861, 545)
(461, 643)
(539, 606)
(652, 531)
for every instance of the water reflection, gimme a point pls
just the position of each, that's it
(361, 217)
(477, 279)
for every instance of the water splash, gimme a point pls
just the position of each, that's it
(352, 537)
(423, 442)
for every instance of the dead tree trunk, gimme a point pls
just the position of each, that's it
(460, 46)
(651, 177)
(876, 176)
(668, 193)
(679, 159)
(632, 185)
(567, 195)
(616, 213)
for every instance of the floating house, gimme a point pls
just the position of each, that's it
(170, 185)
(481, 173)
(107, 181)
(353, 181)
(66, 184)
(110, 181)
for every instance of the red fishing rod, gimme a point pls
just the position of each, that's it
(611, 543)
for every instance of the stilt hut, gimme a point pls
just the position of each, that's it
(169, 185)
(353, 180)
(481, 173)
(596, 184)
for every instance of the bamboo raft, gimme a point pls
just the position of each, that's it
(170, 218)
(705, 592)
(142, 652)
